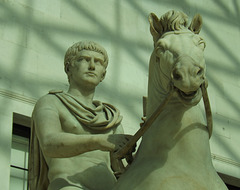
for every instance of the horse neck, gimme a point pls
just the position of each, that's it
(174, 121)
(157, 86)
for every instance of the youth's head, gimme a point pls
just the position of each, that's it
(85, 64)
(84, 45)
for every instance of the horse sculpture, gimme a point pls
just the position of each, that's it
(174, 153)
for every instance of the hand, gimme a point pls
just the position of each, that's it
(119, 140)
(113, 142)
(122, 145)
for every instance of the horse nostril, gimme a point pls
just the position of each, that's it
(200, 72)
(176, 75)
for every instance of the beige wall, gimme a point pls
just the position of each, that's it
(34, 36)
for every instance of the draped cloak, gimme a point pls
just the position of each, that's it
(88, 117)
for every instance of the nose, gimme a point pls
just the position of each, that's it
(179, 73)
(187, 77)
(91, 64)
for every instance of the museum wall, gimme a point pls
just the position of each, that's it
(34, 36)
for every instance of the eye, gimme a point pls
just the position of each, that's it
(98, 62)
(201, 44)
(80, 59)
(160, 47)
(159, 50)
(88, 59)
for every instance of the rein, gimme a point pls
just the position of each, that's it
(207, 107)
(131, 143)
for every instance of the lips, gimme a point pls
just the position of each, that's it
(91, 73)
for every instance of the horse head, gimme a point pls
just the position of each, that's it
(178, 58)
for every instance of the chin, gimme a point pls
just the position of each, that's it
(91, 82)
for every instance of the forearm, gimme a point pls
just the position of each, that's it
(64, 145)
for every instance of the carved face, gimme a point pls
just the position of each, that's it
(87, 69)
(181, 60)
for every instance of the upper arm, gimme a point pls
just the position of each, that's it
(46, 118)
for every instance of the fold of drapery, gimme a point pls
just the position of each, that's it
(89, 117)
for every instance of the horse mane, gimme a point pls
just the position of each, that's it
(169, 22)
(173, 21)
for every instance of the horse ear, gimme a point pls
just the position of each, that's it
(155, 27)
(196, 24)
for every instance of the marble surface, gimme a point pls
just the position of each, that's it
(174, 153)
(72, 134)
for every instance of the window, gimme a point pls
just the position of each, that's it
(231, 187)
(231, 182)
(19, 157)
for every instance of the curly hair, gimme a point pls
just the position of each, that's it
(84, 45)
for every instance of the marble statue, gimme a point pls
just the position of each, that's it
(73, 136)
(174, 153)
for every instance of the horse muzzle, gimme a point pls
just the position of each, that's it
(190, 98)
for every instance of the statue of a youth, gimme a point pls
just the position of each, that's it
(72, 134)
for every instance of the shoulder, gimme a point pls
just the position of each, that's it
(48, 101)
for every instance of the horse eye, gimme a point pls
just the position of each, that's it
(202, 44)
(159, 50)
